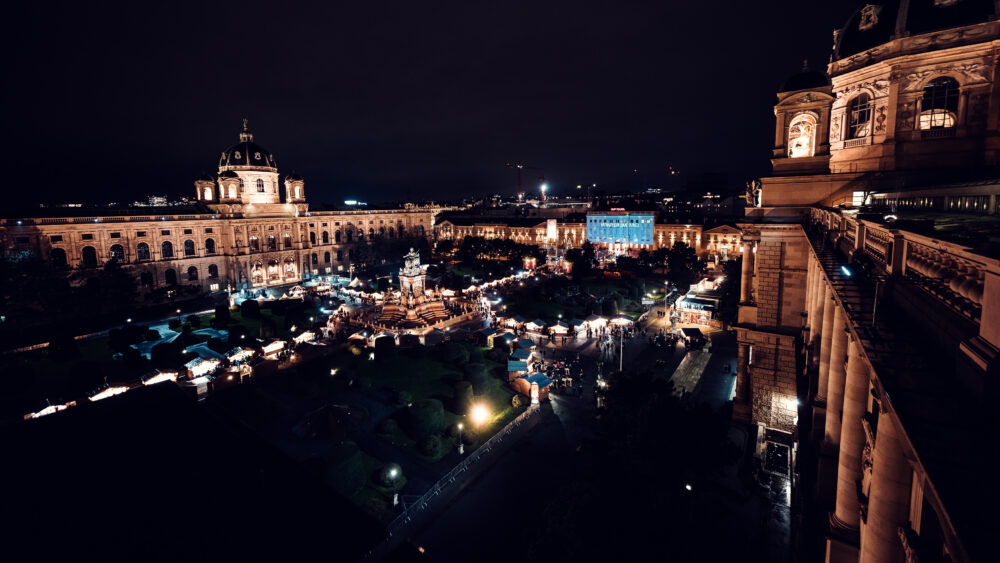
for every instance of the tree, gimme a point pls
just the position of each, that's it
(250, 309)
(425, 417)
(463, 397)
(685, 267)
(222, 312)
(430, 446)
(476, 375)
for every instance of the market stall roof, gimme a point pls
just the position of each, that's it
(520, 354)
(518, 319)
(525, 343)
(576, 322)
(692, 333)
(540, 379)
(622, 319)
(593, 318)
(517, 365)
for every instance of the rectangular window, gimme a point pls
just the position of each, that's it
(87, 236)
(208, 230)
(165, 232)
(56, 238)
(116, 235)
(140, 233)
(187, 231)
(213, 287)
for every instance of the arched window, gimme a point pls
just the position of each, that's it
(298, 191)
(336, 237)
(146, 279)
(242, 187)
(254, 243)
(350, 236)
(189, 248)
(170, 276)
(326, 257)
(208, 194)
(166, 249)
(209, 246)
(939, 106)
(802, 136)
(326, 237)
(420, 230)
(288, 240)
(58, 257)
(859, 116)
(392, 232)
(272, 243)
(315, 259)
(350, 254)
(142, 251)
(273, 272)
(381, 231)
(232, 192)
(289, 268)
(260, 185)
(371, 232)
(257, 273)
(340, 256)
(192, 274)
(312, 237)
(117, 252)
(89, 256)
(213, 271)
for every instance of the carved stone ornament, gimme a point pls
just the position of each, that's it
(835, 129)
(974, 71)
(913, 79)
(866, 457)
(944, 3)
(880, 119)
(879, 87)
(905, 116)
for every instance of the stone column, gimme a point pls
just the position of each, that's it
(835, 381)
(852, 440)
(816, 320)
(824, 348)
(747, 272)
(741, 400)
(889, 496)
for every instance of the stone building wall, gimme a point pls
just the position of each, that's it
(772, 370)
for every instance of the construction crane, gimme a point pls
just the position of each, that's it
(518, 166)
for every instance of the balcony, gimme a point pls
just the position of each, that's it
(860, 142)
(937, 133)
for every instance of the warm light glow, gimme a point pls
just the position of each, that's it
(109, 392)
(160, 378)
(801, 136)
(479, 414)
(460, 426)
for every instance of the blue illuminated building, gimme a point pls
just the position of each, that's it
(621, 229)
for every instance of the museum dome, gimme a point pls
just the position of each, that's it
(875, 23)
(247, 155)
(804, 80)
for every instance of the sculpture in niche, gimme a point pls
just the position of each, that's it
(752, 194)
(802, 136)
(880, 119)
(869, 17)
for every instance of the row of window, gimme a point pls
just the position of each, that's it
(138, 234)
(88, 254)
(170, 275)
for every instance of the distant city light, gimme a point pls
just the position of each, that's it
(846, 270)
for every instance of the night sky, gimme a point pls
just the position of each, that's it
(384, 101)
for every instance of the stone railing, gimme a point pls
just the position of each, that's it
(953, 274)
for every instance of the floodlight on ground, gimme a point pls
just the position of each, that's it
(687, 487)
(392, 473)
(479, 414)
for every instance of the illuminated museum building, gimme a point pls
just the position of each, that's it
(872, 350)
(241, 234)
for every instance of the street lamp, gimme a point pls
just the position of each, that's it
(461, 446)
(395, 495)
(479, 414)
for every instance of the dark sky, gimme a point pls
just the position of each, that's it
(385, 100)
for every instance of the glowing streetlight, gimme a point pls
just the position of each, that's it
(395, 495)
(461, 446)
(687, 487)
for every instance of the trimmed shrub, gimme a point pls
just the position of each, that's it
(387, 426)
(519, 401)
(385, 348)
(194, 321)
(345, 468)
(425, 418)
(476, 375)
(219, 345)
(174, 324)
(165, 354)
(455, 353)
(222, 312)
(463, 397)
(430, 446)
(475, 356)
(250, 309)
(404, 398)
(150, 335)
